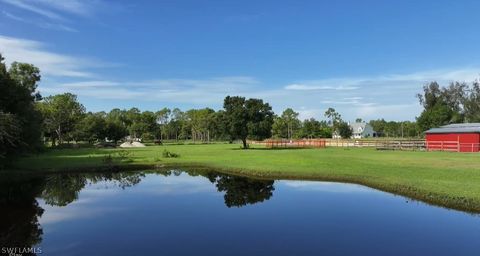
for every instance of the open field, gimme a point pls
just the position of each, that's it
(442, 178)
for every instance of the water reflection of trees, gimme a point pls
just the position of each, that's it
(20, 211)
(62, 189)
(240, 191)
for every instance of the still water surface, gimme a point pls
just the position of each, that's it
(208, 213)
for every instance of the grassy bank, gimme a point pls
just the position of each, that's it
(442, 178)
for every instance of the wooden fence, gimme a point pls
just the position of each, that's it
(283, 143)
(402, 145)
(381, 144)
(453, 146)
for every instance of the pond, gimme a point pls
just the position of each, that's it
(208, 213)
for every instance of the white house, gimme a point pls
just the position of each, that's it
(360, 130)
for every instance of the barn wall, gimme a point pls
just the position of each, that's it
(469, 142)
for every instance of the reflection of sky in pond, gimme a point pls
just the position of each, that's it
(334, 187)
(186, 215)
(87, 205)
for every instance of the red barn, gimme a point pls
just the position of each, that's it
(454, 137)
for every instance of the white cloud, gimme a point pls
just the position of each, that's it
(13, 17)
(56, 9)
(30, 6)
(79, 7)
(391, 97)
(90, 84)
(196, 91)
(39, 23)
(397, 81)
(306, 87)
(56, 14)
(322, 186)
(50, 63)
(389, 111)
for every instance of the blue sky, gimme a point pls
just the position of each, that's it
(367, 59)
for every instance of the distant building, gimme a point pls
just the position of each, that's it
(454, 137)
(360, 130)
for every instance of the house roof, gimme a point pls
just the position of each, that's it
(457, 128)
(356, 126)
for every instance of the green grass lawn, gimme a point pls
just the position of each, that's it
(442, 178)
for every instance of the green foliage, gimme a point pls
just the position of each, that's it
(91, 128)
(107, 159)
(287, 125)
(456, 103)
(10, 136)
(27, 76)
(247, 118)
(240, 191)
(312, 128)
(168, 154)
(20, 120)
(201, 122)
(472, 104)
(61, 114)
(396, 129)
(334, 116)
(344, 130)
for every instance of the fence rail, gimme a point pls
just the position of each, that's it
(308, 143)
(385, 144)
(453, 146)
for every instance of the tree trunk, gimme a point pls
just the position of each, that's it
(59, 134)
(245, 146)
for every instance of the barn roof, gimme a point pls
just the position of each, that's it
(457, 128)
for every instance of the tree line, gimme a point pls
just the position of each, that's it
(29, 121)
(456, 103)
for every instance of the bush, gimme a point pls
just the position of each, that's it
(168, 154)
(108, 159)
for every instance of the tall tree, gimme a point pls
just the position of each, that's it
(335, 120)
(61, 114)
(442, 105)
(287, 125)
(344, 130)
(91, 128)
(248, 118)
(472, 104)
(333, 116)
(177, 122)
(21, 120)
(163, 117)
(27, 76)
(312, 128)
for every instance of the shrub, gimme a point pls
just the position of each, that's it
(108, 159)
(168, 154)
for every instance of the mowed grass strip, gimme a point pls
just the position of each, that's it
(443, 178)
